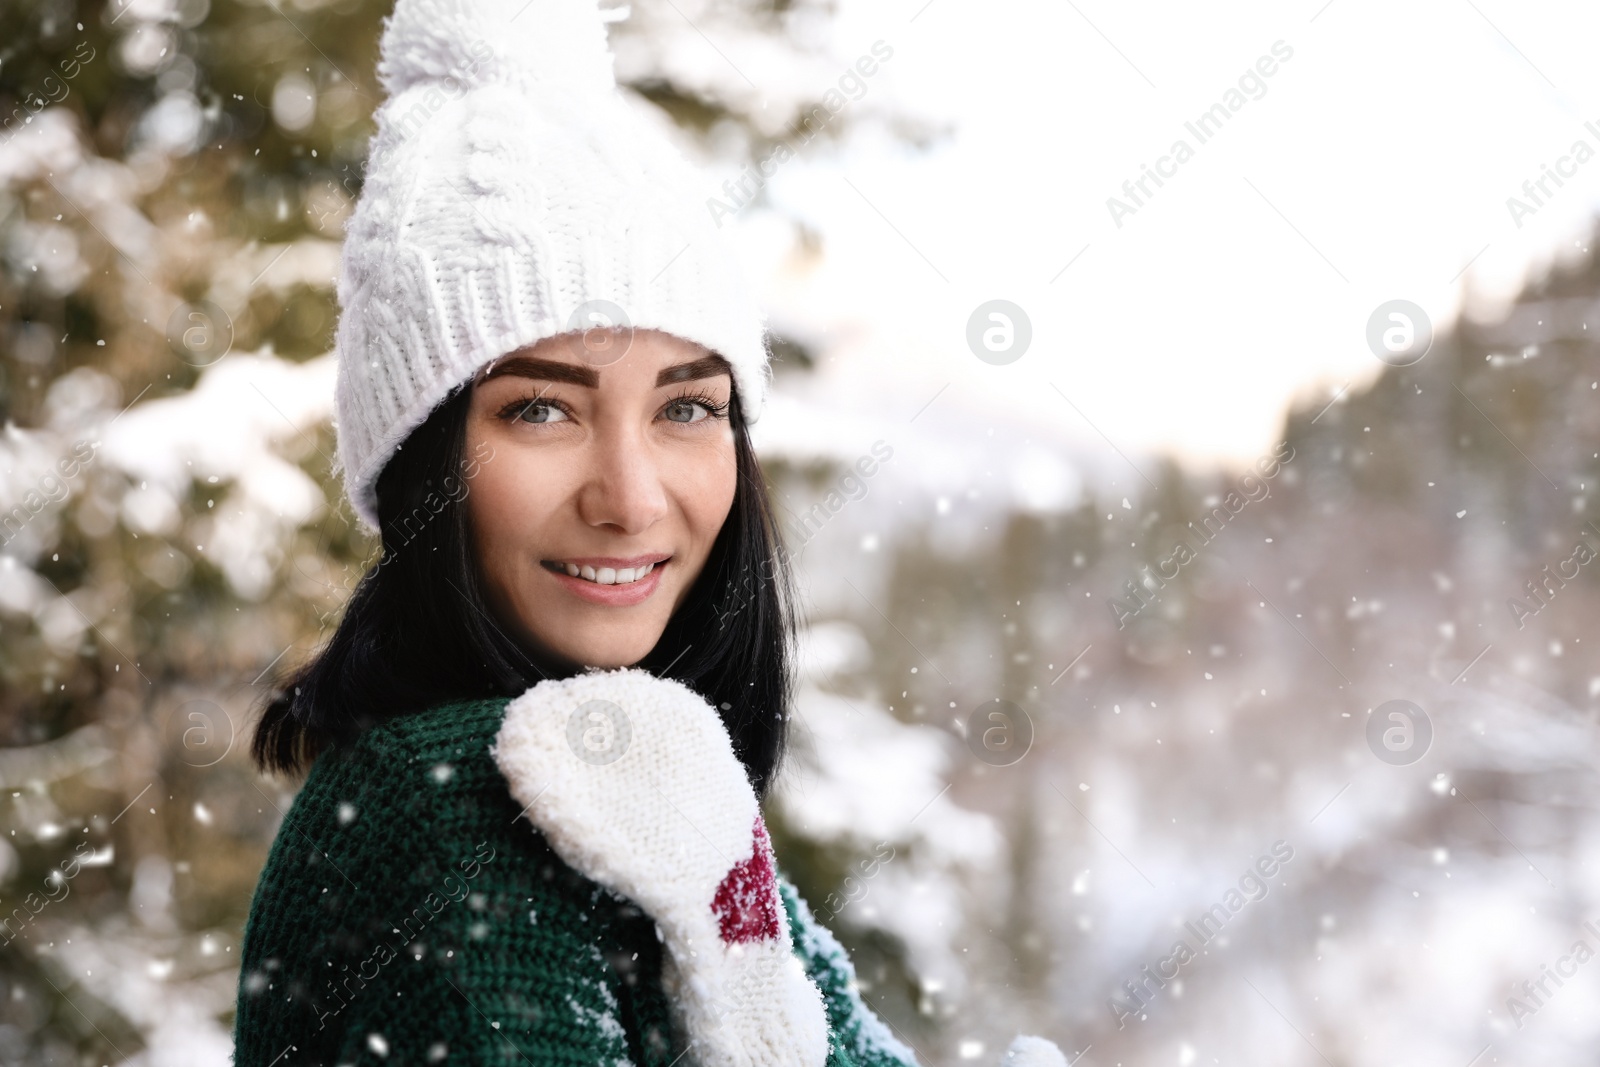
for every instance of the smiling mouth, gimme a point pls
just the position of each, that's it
(604, 575)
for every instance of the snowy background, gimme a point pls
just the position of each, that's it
(174, 175)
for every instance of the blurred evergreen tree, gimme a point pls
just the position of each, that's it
(174, 177)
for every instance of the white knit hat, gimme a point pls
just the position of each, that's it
(511, 194)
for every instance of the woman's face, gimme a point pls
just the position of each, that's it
(609, 481)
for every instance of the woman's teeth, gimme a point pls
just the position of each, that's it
(607, 575)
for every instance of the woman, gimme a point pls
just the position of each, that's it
(537, 740)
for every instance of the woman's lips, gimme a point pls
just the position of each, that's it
(611, 595)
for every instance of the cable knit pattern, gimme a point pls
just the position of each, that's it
(409, 914)
(508, 188)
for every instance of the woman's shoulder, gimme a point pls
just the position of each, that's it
(457, 730)
(405, 790)
(405, 862)
(378, 803)
(410, 760)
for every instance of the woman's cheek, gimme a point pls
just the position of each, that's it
(527, 492)
(494, 499)
(706, 481)
(719, 503)
(491, 525)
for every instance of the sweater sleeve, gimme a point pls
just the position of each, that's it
(859, 1038)
(406, 915)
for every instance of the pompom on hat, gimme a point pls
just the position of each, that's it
(511, 195)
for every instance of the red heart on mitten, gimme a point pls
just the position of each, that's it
(746, 902)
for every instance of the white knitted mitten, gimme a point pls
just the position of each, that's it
(1027, 1051)
(633, 781)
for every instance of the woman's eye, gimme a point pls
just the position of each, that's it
(541, 411)
(685, 411)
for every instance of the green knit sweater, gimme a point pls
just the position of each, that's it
(407, 914)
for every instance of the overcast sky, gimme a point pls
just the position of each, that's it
(1375, 166)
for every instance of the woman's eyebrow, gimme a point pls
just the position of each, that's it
(705, 367)
(548, 370)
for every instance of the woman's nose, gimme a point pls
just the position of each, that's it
(623, 486)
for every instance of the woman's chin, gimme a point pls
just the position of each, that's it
(607, 654)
